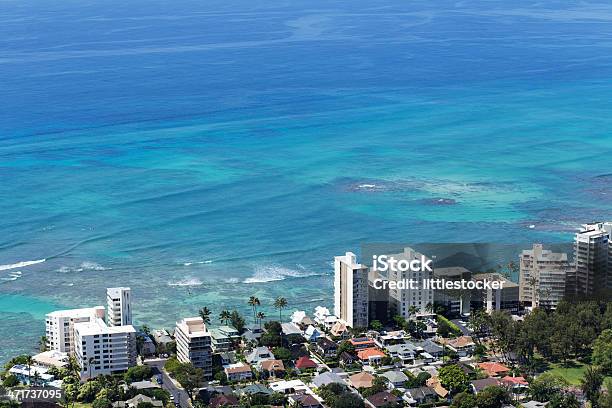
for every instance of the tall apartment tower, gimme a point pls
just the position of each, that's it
(193, 344)
(593, 258)
(119, 305)
(102, 349)
(59, 329)
(402, 301)
(351, 291)
(543, 276)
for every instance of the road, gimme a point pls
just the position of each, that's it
(180, 395)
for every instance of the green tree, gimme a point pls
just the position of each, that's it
(260, 317)
(254, 302)
(453, 378)
(546, 386)
(464, 400)
(591, 385)
(237, 321)
(492, 397)
(10, 381)
(280, 303)
(376, 325)
(205, 314)
(225, 317)
(602, 351)
(138, 373)
(102, 403)
(564, 400)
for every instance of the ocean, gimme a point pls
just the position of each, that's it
(202, 152)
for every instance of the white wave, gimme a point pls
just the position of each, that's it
(12, 276)
(188, 264)
(232, 280)
(21, 264)
(186, 282)
(367, 186)
(271, 273)
(84, 266)
(197, 263)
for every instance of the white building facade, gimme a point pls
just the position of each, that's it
(59, 329)
(593, 258)
(193, 344)
(543, 276)
(119, 306)
(351, 291)
(403, 301)
(103, 349)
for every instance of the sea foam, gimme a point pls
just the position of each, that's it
(21, 264)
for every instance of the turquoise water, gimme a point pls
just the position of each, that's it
(204, 152)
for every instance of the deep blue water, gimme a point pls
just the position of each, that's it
(205, 151)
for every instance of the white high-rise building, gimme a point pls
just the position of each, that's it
(193, 344)
(119, 305)
(102, 349)
(60, 326)
(351, 291)
(402, 301)
(593, 258)
(543, 276)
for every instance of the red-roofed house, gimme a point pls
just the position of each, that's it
(223, 401)
(304, 363)
(494, 369)
(361, 343)
(518, 384)
(370, 356)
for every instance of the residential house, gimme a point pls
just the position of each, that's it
(292, 332)
(327, 378)
(494, 369)
(339, 329)
(300, 318)
(347, 359)
(383, 399)
(259, 354)
(305, 363)
(324, 318)
(224, 338)
(255, 389)
(431, 348)
(397, 379)
(479, 385)
(52, 358)
(420, 395)
(518, 385)
(534, 404)
(406, 352)
(228, 357)
(361, 343)
(326, 347)
(289, 387)
(434, 384)
(238, 372)
(361, 380)
(463, 346)
(136, 401)
(392, 337)
(27, 374)
(304, 400)
(221, 400)
(271, 368)
(312, 334)
(370, 356)
(252, 334)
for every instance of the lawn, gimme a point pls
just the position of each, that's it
(573, 373)
(82, 405)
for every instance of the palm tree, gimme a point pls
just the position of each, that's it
(205, 314)
(254, 302)
(429, 307)
(29, 362)
(36, 378)
(533, 283)
(91, 362)
(260, 316)
(413, 310)
(225, 316)
(280, 303)
(42, 343)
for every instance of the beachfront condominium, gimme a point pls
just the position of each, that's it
(351, 290)
(193, 344)
(119, 305)
(593, 258)
(59, 329)
(543, 276)
(102, 349)
(407, 301)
